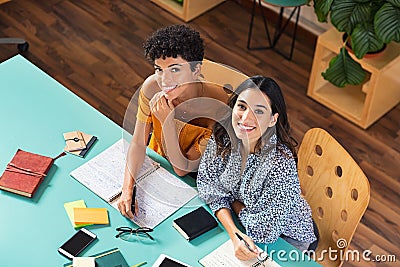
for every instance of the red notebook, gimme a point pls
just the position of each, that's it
(25, 172)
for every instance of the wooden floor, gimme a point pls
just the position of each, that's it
(94, 48)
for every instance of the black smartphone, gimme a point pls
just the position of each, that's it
(77, 243)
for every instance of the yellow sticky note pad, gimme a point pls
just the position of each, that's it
(90, 215)
(69, 208)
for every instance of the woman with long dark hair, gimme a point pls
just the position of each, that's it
(249, 168)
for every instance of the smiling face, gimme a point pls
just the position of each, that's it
(252, 116)
(174, 75)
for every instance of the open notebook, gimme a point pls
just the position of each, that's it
(159, 193)
(224, 256)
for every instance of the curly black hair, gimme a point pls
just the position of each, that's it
(174, 41)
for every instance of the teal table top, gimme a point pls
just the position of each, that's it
(35, 110)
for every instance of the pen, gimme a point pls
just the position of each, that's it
(139, 264)
(133, 201)
(244, 241)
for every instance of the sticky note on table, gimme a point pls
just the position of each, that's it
(90, 215)
(83, 262)
(69, 208)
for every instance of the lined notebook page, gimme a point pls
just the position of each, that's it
(159, 193)
(224, 256)
(104, 174)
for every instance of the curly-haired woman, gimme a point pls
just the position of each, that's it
(174, 106)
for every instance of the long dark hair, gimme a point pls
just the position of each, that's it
(223, 131)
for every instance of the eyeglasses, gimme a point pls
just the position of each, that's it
(128, 234)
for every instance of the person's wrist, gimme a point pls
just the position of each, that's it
(128, 187)
(169, 120)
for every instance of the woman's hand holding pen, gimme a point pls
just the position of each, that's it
(244, 247)
(128, 197)
(125, 204)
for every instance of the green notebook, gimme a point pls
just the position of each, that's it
(109, 258)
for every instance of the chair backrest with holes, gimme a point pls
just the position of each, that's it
(336, 189)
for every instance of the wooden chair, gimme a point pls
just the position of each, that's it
(336, 189)
(222, 74)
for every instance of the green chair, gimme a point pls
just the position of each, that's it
(279, 27)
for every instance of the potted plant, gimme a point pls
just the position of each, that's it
(368, 24)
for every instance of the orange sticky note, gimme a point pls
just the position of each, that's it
(69, 208)
(90, 215)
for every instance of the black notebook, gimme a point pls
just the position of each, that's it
(109, 258)
(195, 223)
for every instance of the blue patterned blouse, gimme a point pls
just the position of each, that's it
(269, 188)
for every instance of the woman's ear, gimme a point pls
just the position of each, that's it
(274, 120)
(197, 71)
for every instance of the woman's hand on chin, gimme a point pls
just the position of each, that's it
(162, 108)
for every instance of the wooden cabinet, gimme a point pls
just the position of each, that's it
(189, 9)
(363, 104)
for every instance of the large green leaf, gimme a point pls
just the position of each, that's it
(344, 70)
(322, 8)
(364, 40)
(396, 3)
(387, 22)
(346, 14)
